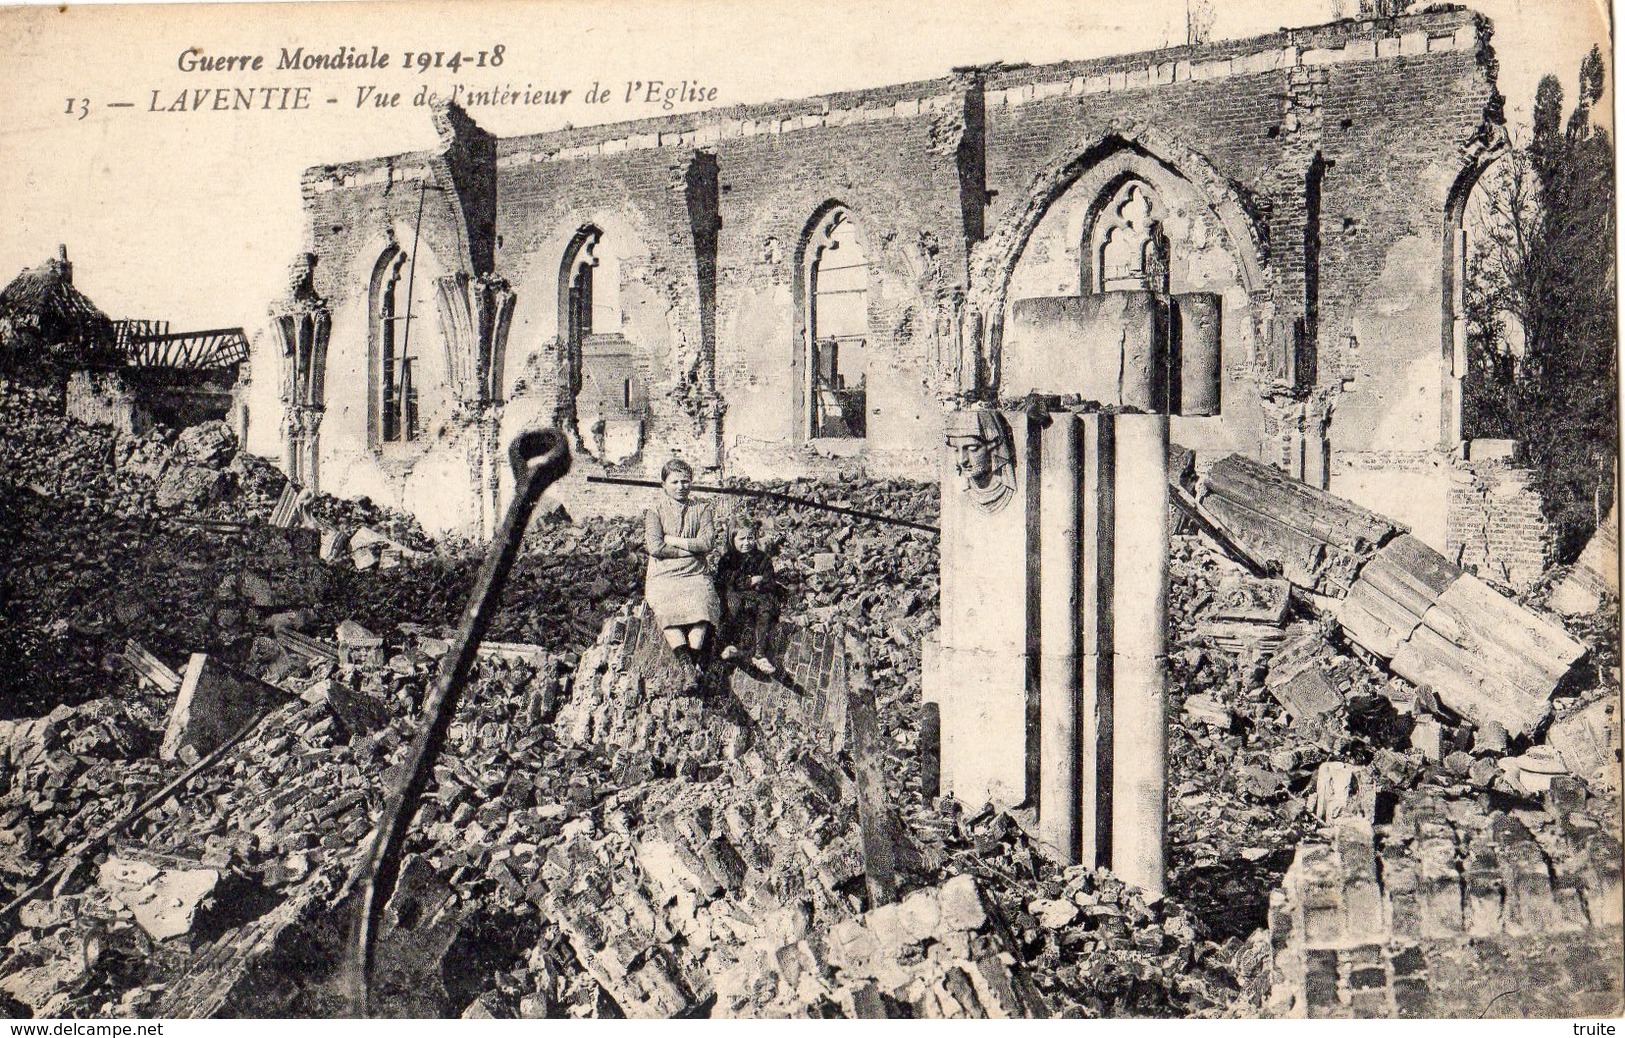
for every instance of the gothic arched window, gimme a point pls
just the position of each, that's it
(393, 403)
(1129, 247)
(836, 329)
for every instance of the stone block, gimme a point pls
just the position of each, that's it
(1482, 912)
(1307, 694)
(1412, 999)
(359, 647)
(1344, 791)
(1590, 742)
(1194, 362)
(1439, 887)
(961, 904)
(1428, 736)
(214, 701)
(163, 901)
(1320, 979)
(1085, 341)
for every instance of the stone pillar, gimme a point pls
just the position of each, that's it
(1196, 362)
(305, 447)
(1051, 672)
(303, 322)
(476, 313)
(1139, 652)
(1059, 511)
(980, 672)
(1098, 558)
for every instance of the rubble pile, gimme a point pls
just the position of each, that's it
(64, 775)
(282, 820)
(1273, 748)
(1089, 945)
(198, 472)
(1453, 908)
(58, 457)
(604, 838)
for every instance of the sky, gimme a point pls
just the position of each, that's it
(195, 216)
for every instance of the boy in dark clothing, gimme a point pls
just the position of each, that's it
(749, 590)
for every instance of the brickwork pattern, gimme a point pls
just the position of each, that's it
(711, 210)
(1495, 526)
(621, 677)
(1449, 912)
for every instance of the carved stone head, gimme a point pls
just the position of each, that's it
(984, 457)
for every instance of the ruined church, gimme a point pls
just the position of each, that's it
(808, 287)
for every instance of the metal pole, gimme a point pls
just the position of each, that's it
(406, 335)
(539, 458)
(775, 496)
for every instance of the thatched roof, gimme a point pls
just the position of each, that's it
(42, 315)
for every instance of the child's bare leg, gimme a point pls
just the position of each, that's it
(675, 637)
(696, 636)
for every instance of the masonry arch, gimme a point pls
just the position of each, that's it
(1129, 150)
(608, 376)
(1458, 371)
(834, 337)
(407, 360)
(1125, 244)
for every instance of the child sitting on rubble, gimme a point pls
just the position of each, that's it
(749, 589)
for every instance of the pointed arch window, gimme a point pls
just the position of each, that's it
(836, 332)
(394, 400)
(1130, 248)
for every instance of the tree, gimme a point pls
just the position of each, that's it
(1565, 393)
(1501, 226)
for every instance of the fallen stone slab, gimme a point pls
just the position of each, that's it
(306, 647)
(1483, 655)
(1595, 574)
(1297, 677)
(150, 668)
(164, 902)
(1207, 710)
(1316, 540)
(213, 702)
(1486, 657)
(1428, 736)
(1243, 599)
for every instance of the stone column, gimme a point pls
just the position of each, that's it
(303, 322)
(1059, 504)
(304, 448)
(1139, 652)
(1098, 577)
(979, 676)
(476, 313)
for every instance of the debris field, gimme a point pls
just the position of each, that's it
(210, 678)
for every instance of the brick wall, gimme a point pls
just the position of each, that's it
(1449, 913)
(1242, 121)
(946, 181)
(1495, 525)
(631, 664)
(102, 398)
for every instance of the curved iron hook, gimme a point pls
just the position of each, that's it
(540, 457)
